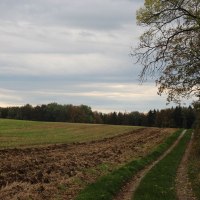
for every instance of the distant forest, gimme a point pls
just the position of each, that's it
(178, 117)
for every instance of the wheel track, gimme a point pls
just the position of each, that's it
(129, 188)
(183, 185)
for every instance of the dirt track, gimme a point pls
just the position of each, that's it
(130, 187)
(183, 185)
(60, 171)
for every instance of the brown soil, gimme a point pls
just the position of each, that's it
(129, 188)
(61, 171)
(183, 185)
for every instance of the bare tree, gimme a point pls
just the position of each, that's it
(170, 46)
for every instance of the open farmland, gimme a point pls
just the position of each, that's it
(18, 133)
(60, 171)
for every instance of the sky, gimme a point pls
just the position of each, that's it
(73, 52)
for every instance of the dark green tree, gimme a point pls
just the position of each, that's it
(26, 112)
(178, 117)
(151, 117)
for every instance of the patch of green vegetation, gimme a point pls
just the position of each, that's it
(104, 167)
(61, 190)
(91, 171)
(159, 183)
(19, 133)
(194, 164)
(79, 181)
(107, 186)
(99, 170)
(62, 187)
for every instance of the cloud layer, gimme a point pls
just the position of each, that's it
(72, 52)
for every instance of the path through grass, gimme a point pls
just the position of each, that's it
(159, 183)
(194, 164)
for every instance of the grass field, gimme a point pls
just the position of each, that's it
(159, 183)
(16, 133)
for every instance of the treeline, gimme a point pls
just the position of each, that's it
(180, 117)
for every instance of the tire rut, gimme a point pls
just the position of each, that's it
(129, 188)
(183, 185)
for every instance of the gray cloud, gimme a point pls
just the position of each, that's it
(72, 52)
(86, 14)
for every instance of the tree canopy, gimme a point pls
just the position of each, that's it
(169, 48)
(172, 117)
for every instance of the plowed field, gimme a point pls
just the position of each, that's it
(61, 171)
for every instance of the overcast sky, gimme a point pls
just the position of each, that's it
(72, 52)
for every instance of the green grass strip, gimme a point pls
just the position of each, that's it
(159, 183)
(108, 186)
